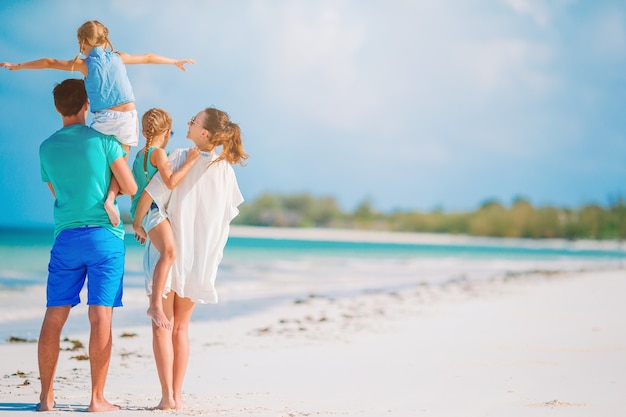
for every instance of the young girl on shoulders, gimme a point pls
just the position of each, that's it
(111, 97)
(157, 128)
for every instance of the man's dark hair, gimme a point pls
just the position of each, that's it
(70, 96)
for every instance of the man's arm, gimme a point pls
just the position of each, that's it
(52, 189)
(124, 176)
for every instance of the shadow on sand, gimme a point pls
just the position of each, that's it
(33, 407)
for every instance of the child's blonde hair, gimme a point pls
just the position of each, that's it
(154, 122)
(93, 33)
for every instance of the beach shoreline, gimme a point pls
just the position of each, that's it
(417, 238)
(519, 346)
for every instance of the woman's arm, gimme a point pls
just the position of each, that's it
(51, 63)
(143, 205)
(171, 178)
(154, 59)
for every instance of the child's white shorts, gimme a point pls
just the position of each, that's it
(124, 125)
(153, 218)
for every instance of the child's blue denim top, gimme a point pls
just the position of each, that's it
(107, 83)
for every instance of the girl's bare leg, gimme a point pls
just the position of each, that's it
(112, 193)
(162, 238)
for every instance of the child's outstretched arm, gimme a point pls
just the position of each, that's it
(154, 59)
(51, 63)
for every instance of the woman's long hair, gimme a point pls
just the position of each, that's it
(223, 132)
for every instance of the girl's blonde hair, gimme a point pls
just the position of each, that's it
(154, 122)
(93, 33)
(226, 134)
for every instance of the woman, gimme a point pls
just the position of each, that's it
(200, 210)
(157, 129)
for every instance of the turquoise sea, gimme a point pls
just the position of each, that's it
(259, 271)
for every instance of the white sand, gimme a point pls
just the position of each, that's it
(542, 345)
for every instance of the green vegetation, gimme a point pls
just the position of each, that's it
(492, 218)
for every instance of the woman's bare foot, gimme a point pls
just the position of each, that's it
(102, 406)
(166, 404)
(45, 406)
(158, 317)
(180, 404)
(114, 215)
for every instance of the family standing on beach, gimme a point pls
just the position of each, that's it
(182, 206)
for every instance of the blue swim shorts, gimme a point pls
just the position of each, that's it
(92, 252)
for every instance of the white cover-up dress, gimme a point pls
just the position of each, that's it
(200, 210)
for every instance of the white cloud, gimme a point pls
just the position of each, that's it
(310, 65)
(503, 66)
(610, 35)
(535, 9)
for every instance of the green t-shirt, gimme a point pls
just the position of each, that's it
(142, 178)
(76, 160)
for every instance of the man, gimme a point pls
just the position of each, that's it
(77, 163)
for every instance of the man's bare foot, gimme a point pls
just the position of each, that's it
(102, 406)
(114, 215)
(159, 318)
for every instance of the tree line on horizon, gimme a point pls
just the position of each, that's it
(520, 219)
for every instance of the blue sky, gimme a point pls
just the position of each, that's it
(410, 104)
